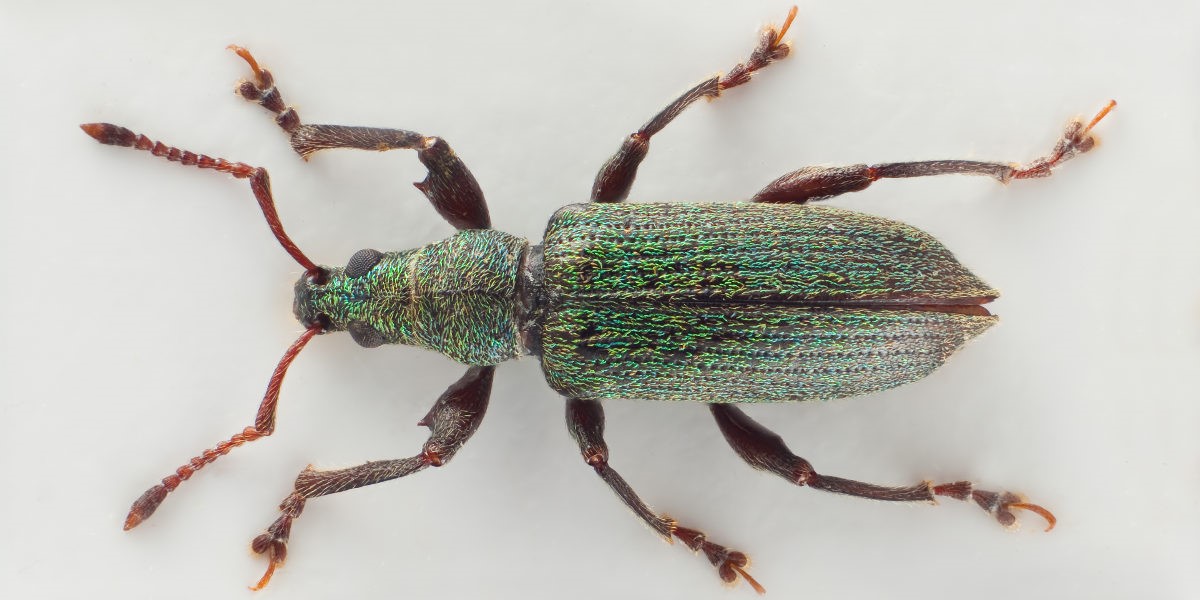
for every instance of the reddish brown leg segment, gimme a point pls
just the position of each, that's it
(765, 450)
(452, 420)
(264, 425)
(585, 420)
(450, 186)
(819, 183)
(615, 178)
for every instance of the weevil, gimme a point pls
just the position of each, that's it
(769, 300)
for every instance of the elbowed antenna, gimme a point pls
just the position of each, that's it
(260, 183)
(264, 421)
(264, 425)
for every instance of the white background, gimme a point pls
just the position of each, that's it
(145, 304)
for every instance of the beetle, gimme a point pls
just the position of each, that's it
(771, 300)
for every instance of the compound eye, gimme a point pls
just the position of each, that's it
(362, 261)
(365, 335)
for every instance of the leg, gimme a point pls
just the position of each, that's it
(585, 419)
(819, 183)
(452, 420)
(264, 425)
(616, 176)
(765, 450)
(450, 186)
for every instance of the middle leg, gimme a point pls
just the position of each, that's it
(615, 178)
(585, 419)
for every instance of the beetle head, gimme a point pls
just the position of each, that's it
(346, 299)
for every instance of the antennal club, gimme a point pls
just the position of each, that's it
(260, 182)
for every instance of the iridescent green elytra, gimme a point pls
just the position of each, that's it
(706, 302)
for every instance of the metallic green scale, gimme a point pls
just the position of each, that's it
(746, 302)
(456, 296)
(744, 353)
(747, 252)
(707, 302)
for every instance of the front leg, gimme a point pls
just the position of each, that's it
(452, 420)
(450, 186)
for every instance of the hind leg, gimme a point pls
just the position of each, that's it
(763, 449)
(819, 183)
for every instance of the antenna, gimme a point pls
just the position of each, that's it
(260, 183)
